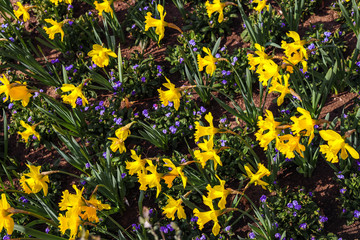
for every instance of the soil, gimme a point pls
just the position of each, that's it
(322, 183)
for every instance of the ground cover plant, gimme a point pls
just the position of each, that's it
(180, 119)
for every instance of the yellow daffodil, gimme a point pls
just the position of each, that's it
(208, 62)
(204, 131)
(205, 217)
(260, 5)
(304, 122)
(137, 166)
(218, 191)
(209, 153)
(55, 28)
(104, 6)
(100, 55)
(19, 92)
(172, 207)
(295, 52)
(5, 88)
(150, 180)
(22, 11)
(77, 210)
(76, 92)
(121, 135)
(29, 131)
(277, 86)
(159, 24)
(335, 144)
(217, 6)
(5, 216)
(260, 59)
(70, 221)
(171, 95)
(256, 177)
(269, 125)
(269, 69)
(34, 181)
(288, 144)
(174, 172)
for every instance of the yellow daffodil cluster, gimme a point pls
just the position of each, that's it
(172, 207)
(270, 130)
(148, 175)
(336, 143)
(267, 69)
(303, 126)
(16, 91)
(159, 24)
(217, 6)
(207, 61)
(78, 210)
(34, 181)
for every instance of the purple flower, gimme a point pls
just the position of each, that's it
(192, 42)
(323, 219)
(24, 199)
(102, 112)
(145, 113)
(135, 66)
(191, 127)
(311, 46)
(277, 235)
(164, 131)
(168, 114)
(263, 198)
(223, 142)
(177, 123)
(10, 105)
(217, 55)
(303, 226)
(224, 82)
(282, 25)
(135, 227)
(356, 214)
(327, 34)
(123, 175)
(343, 190)
(340, 176)
(172, 129)
(202, 109)
(181, 60)
(252, 235)
(54, 61)
(143, 79)
(290, 205)
(87, 165)
(47, 229)
(12, 39)
(194, 219)
(195, 49)
(83, 182)
(6, 237)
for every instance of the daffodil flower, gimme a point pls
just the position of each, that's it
(137, 166)
(172, 207)
(260, 5)
(209, 153)
(217, 6)
(295, 52)
(151, 180)
(5, 88)
(201, 131)
(256, 177)
(29, 131)
(159, 24)
(22, 11)
(171, 95)
(335, 144)
(218, 191)
(5, 216)
(76, 92)
(277, 86)
(104, 6)
(288, 143)
(100, 55)
(54, 29)
(267, 130)
(34, 181)
(304, 122)
(175, 172)
(205, 217)
(207, 61)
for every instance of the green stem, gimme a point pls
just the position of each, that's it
(15, 211)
